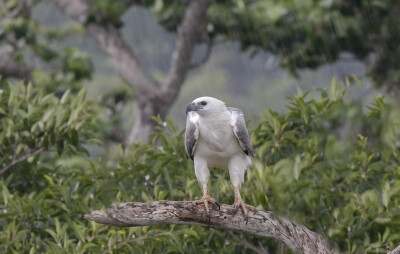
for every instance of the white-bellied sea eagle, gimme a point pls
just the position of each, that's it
(216, 136)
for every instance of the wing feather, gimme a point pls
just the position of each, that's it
(240, 130)
(192, 133)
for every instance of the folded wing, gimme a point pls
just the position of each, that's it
(192, 133)
(240, 130)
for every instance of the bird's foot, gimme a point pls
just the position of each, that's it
(205, 200)
(245, 208)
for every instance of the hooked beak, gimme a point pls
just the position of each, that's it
(193, 107)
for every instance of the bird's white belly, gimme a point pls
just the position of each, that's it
(218, 154)
(217, 143)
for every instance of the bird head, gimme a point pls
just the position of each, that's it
(205, 105)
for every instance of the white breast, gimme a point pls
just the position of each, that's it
(217, 142)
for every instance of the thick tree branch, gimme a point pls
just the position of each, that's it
(124, 60)
(205, 57)
(190, 32)
(265, 224)
(394, 251)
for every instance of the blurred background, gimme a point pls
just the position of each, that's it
(297, 45)
(92, 102)
(249, 81)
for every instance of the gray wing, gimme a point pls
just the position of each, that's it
(240, 130)
(192, 133)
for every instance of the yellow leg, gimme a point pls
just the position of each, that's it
(239, 203)
(207, 199)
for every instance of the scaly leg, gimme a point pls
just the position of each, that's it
(207, 199)
(239, 203)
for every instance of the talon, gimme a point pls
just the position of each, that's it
(255, 211)
(219, 206)
(205, 200)
(239, 203)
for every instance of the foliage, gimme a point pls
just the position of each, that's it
(328, 164)
(43, 199)
(33, 122)
(333, 167)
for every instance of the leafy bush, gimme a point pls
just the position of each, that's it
(326, 163)
(334, 167)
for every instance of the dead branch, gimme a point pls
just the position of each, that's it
(394, 251)
(263, 223)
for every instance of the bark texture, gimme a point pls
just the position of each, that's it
(153, 99)
(394, 251)
(298, 238)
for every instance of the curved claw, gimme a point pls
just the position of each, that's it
(245, 208)
(205, 200)
(219, 206)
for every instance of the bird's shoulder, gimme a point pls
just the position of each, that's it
(234, 111)
(235, 114)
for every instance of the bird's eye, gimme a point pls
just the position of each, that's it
(203, 103)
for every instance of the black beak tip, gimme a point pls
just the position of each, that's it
(187, 109)
(191, 107)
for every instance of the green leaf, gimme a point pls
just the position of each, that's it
(79, 232)
(386, 194)
(296, 168)
(74, 137)
(49, 113)
(49, 179)
(53, 234)
(2, 111)
(65, 96)
(6, 194)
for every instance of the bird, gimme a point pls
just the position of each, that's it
(217, 136)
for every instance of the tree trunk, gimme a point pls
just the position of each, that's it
(155, 104)
(153, 99)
